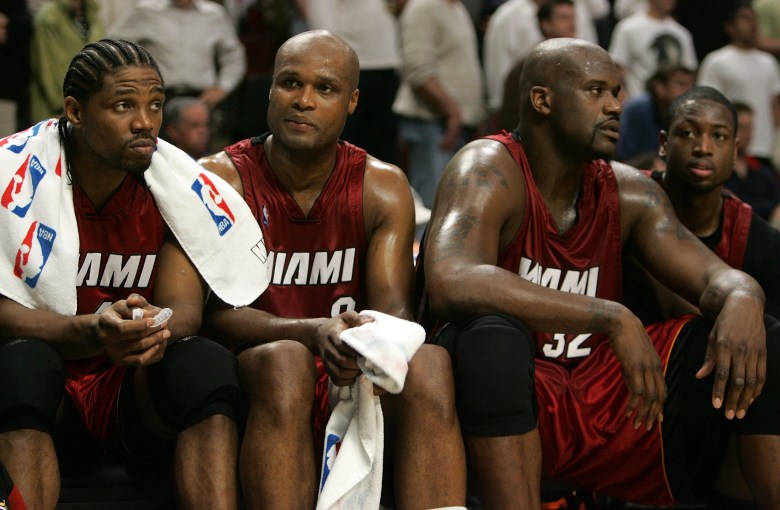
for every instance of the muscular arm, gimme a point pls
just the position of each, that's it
(125, 342)
(389, 217)
(179, 286)
(73, 336)
(737, 344)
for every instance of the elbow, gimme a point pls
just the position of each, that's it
(446, 297)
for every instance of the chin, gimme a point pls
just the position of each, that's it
(137, 169)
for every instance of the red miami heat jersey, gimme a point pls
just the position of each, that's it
(586, 259)
(317, 260)
(735, 227)
(117, 255)
(737, 217)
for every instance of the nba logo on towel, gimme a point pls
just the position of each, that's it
(332, 445)
(19, 193)
(34, 252)
(23, 137)
(219, 210)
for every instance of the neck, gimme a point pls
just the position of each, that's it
(698, 211)
(558, 178)
(302, 174)
(743, 45)
(98, 180)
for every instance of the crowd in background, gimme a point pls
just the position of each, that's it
(434, 73)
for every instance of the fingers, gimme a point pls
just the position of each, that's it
(648, 392)
(748, 374)
(709, 357)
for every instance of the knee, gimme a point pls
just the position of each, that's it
(32, 385)
(196, 379)
(429, 382)
(494, 376)
(279, 374)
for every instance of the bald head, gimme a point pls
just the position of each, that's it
(558, 62)
(330, 49)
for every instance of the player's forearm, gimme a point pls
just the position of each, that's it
(729, 285)
(73, 336)
(487, 289)
(234, 326)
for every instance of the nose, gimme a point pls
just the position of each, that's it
(304, 100)
(143, 120)
(613, 106)
(703, 145)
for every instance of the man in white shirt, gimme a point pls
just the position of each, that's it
(649, 40)
(194, 42)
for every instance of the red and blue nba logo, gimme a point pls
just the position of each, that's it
(9, 142)
(216, 205)
(34, 253)
(19, 193)
(332, 447)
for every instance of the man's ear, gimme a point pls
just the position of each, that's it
(353, 101)
(540, 99)
(73, 110)
(662, 137)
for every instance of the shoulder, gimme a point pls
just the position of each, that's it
(221, 165)
(628, 175)
(387, 196)
(383, 182)
(635, 186)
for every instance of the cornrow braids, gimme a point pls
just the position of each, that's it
(88, 70)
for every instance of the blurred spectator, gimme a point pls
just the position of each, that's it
(555, 18)
(440, 97)
(15, 33)
(768, 12)
(646, 114)
(745, 74)
(753, 180)
(194, 42)
(113, 10)
(704, 20)
(647, 41)
(186, 125)
(60, 29)
(262, 30)
(513, 30)
(625, 8)
(372, 30)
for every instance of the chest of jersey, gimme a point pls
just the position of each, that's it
(586, 259)
(317, 259)
(118, 246)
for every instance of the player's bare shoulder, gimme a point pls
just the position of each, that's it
(221, 164)
(386, 190)
(637, 188)
(482, 163)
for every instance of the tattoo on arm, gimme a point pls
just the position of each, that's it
(655, 199)
(487, 175)
(452, 243)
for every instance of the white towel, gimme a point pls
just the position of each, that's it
(354, 437)
(385, 346)
(39, 236)
(354, 447)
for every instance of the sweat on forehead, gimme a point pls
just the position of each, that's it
(553, 58)
(323, 43)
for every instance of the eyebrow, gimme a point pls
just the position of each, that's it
(123, 90)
